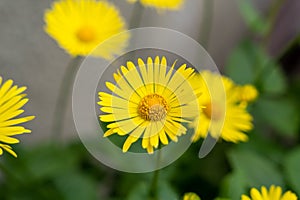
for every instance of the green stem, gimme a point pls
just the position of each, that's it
(63, 96)
(136, 16)
(153, 187)
(9, 173)
(154, 184)
(271, 19)
(206, 24)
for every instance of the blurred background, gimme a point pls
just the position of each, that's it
(233, 33)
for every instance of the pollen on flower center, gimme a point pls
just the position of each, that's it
(153, 107)
(214, 113)
(86, 34)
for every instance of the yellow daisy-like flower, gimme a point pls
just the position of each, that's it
(150, 101)
(274, 193)
(228, 120)
(12, 99)
(247, 93)
(161, 4)
(191, 196)
(79, 26)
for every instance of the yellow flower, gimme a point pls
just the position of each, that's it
(229, 117)
(161, 4)
(12, 100)
(191, 196)
(275, 193)
(79, 26)
(150, 101)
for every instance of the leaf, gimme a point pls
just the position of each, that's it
(246, 62)
(291, 169)
(234, 185)
(239, 67)
(75, 186)
(165, 191)
(274, 82)
(141, 191)
(249, 63)
(252, 17)
(281, 114)
(49, 160)
(256, 169)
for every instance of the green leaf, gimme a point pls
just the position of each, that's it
(246, 63)
(141, 191)
(249, 63)
(239, 67)
(234, 185)
(252, 17)
(49, 160)
(281, 114)
(291, 169)
(256, 169)
(75, 186)
(165, 191)
(274, 82)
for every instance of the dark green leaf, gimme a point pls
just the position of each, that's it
(281, 114)
(255, 169)
(233, 185)
(292, 166)
(75, 186)
(274, 81)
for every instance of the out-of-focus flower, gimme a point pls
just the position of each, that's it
(161, 4)
(247, 93)
(79, 26)
(191, 196)
(274, 193)
(232, 119)
(149, 101)
(12, 99)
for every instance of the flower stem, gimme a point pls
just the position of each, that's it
(153, 188)
(136, 16)
(206, 24)
(8, 173)
(271, 18)
(63, 96)
(153, 194)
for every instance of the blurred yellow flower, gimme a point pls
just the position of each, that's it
(149, 101)
(161, 4)
(191, 196)
(247, 93)
(79, 26)
(231, 117)
(12, 99)
(274, 193)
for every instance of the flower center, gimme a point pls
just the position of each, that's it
(153, 107)
(213, 113)
(86, 34)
